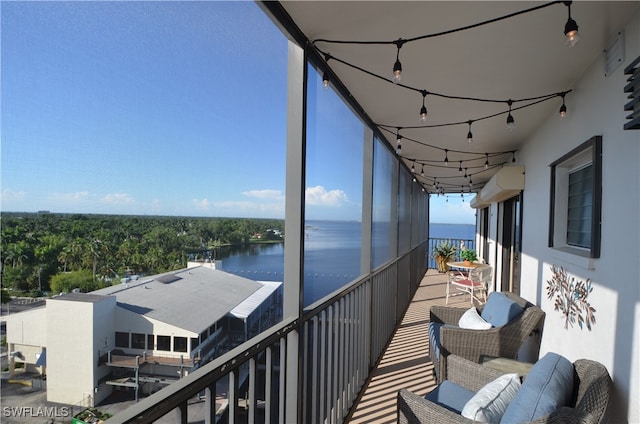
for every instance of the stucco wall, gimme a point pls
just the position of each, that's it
(27, 327)
(71, 347)
(595, 107)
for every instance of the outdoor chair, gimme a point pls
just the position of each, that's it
(508, 318)
(579, 394)
(475, 283)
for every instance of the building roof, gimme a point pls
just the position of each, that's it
(80, 297)
(244, 309)
(192, 299)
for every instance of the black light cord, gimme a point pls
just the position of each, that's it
(448, 124)
(433, 93)
(399, 42)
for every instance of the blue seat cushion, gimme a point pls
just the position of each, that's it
(451, 396)
(547, 387)
(500, 310)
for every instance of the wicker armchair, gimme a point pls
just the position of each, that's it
(592, 385)
(502, 341)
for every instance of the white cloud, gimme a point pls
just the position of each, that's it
(202, 205)
(8, 195)
(69, 197)
(249, 209)
(265, 194)
(117, 199)
(319, 196)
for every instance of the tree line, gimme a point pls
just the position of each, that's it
(44, 252)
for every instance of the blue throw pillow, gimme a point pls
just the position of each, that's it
(547, 387)
(451, 396)
(500, 310)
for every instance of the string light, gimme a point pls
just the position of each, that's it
(325, 76)
(397, 67)
(571, 28)
(423, 109)
(413, 167)
(563, 108)
(511, 123)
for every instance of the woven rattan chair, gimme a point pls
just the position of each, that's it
(592, 385)
(502, 341)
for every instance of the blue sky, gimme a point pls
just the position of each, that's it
(165, 108)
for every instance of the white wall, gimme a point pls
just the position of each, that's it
(28, 327)
(26, 333)
(595, 107)
(72, 343)
(103, 335)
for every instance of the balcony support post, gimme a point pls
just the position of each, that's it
(294, 227)
(181, 413)
(210, 404)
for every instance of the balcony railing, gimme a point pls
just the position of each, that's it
(307, 369)
(433, 242)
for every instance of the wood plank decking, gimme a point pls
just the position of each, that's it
(405, 363)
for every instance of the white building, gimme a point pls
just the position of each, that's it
(142, 334)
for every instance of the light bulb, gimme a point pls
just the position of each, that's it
(423, 113)
(571, 29)
(571, 32)
(397, 71)
(563, 110)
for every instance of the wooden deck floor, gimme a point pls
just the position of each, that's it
(405, 363)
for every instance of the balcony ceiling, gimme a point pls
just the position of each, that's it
(521, 57)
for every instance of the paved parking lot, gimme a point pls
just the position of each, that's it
(21, 403)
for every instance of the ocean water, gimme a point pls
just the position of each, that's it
(331, 256)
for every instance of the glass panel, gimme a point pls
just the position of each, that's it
(150, 342)
(333, 198)
(580, 207)
(383, 168)
(164, 343)
(179, 344)
(122, 339)
(404, 211)
(419, 206)
(172, 109)
(138, 340)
